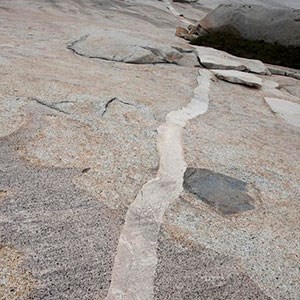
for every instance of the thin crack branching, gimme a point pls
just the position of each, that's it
(71, 47)
(50, 106)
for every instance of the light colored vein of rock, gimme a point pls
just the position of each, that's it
(136, 260)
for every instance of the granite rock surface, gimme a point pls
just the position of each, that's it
(104, 113)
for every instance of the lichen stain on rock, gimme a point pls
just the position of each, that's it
(226, 194)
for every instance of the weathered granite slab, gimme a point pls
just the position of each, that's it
(239, 78)
(217, 59)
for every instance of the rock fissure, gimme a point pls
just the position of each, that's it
(50, 106)
(81, 39)
(110, 101)
(164, 61)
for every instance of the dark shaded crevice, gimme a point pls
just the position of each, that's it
(188, 173)
(272, 53)
(107, 105)
(200, 63)
(287, 73)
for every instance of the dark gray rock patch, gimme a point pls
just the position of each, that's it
(68, 238)
(191, 272)
(226, 194)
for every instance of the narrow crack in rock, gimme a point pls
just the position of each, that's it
(83, 38)
(71, 45)
(110, 101)
(136, 259)
(277, 70)
(50, 106)
(157, 53)
(65, 101)
(107, 105)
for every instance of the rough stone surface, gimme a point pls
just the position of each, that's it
(239, 78)
(83, 138)
(242, 138)
(15, 283)
(68, 238)
(66, 142)
(216, 59)
(189, 271)
(73, 130)
(256, 22)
